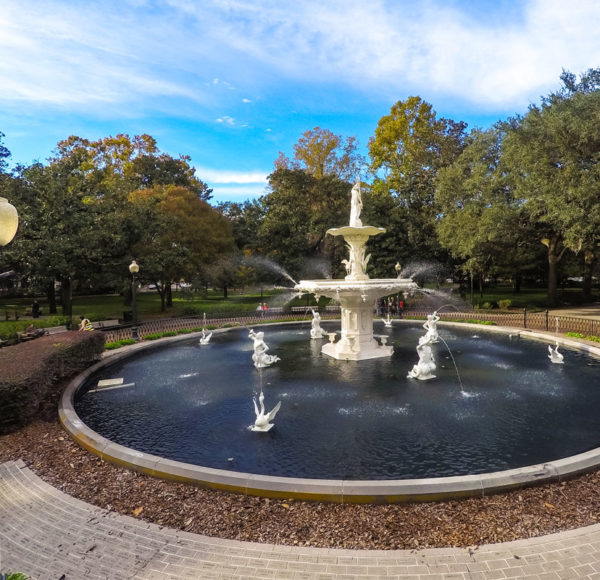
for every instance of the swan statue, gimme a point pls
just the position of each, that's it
(205, 338)
(387, 321)
(263, 420)
(555, 356)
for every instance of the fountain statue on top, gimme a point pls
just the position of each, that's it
(263, 420)
(431, 327)
(357, 292)
(425, 368)
(260, 358)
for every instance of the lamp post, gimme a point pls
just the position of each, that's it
(9, 221)
(134, 269)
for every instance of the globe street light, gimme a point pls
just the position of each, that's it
(9, 221)
(134, 269)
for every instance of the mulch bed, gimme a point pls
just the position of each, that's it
(536, 511)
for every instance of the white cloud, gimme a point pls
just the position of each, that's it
(226, 120)
(228, 176)
(79, 53)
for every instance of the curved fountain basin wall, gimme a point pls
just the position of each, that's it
(320, 489)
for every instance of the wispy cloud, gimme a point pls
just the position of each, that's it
(78, 52)
(228, 176)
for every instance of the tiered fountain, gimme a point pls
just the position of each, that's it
(357, 292)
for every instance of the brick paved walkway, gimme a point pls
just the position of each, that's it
(50, 535)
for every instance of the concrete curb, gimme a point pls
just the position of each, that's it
(338, 491)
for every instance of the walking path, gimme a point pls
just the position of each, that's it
(51, 536)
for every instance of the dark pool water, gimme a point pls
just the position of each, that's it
(352, 420)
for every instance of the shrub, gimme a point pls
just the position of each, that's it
(153, 336)
(591, 337)
(30, 372)
(119, 343)
(504, 304)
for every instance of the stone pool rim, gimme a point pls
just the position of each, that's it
(329, 490)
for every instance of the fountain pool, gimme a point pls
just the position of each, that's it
(343, 427)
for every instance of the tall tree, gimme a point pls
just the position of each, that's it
(320, 153)
(298, 212)
(481, 221)
(179, 235)
(409, 147)
(553, 153)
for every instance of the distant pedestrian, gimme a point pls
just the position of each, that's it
(85, 324)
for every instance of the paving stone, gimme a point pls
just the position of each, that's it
(46, 533)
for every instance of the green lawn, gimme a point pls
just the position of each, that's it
(108, 307)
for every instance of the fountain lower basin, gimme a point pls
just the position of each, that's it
(344, 486)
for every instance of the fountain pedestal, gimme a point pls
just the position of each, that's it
(357, 292)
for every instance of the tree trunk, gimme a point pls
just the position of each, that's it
(517, 283)
(225, 291)
(169, 295)
(554, 255)
(51, 297)
(589, 264)
(66, 296)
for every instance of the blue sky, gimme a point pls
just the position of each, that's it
(233, 82)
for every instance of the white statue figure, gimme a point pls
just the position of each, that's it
(431, 326)
(424, 369)
(554, 355)
(205, 338)
(387, 321)
(355, 206)
(365, 261)
(263, 420)
(348, 266)
(260, 357)
(316, 331)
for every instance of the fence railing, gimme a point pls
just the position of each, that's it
(513, 318)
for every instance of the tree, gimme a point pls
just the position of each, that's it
(410, 146)
(178, 235)
(553, 154)
(4, 155)
(320, 153)
(481, 221)
(297, 214)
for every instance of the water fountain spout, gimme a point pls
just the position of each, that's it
(263, 420)
(260, 358)
(356, 293)
(555, 356)
(425, 368)
(316, 331)
(431, 327)
(205, 338)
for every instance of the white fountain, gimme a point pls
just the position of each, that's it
(316, 331)
(260, 358)
(424, 369)
(357, 292)
(263, 419)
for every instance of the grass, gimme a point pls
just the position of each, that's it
(111, 306)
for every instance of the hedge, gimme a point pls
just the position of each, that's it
(29, 370)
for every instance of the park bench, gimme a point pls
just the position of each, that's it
(104, 324)
(56, 329)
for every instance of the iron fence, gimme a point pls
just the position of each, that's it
(513, 318)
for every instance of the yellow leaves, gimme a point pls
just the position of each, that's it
(137, 511)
